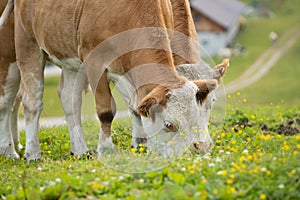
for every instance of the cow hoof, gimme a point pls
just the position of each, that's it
(9, 152)
(13, 155)
(32, 156)
(105, 147)
(137, 142)
(79, 153)
(90, 154)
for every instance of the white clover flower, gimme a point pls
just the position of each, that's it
(228, 152)
(211, 164)
(218, 159)
(245, 151)
(93, 170)
(263, 169)
(221, 151)
(183, 169)
(280, 186)
(58, 180)
(52, 183)
(39, 169)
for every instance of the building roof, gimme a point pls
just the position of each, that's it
(223, 12)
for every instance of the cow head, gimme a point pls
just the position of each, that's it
(178, 118)
(171, 116)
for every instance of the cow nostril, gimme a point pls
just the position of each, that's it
(202, 147)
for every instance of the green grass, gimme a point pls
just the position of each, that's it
(256, 36)
(281, 84)
(247, 162)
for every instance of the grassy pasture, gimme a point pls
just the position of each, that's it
(250, 160)
(256, 153)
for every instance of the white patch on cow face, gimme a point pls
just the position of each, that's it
(179, 125)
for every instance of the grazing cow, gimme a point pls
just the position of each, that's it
(69, 44)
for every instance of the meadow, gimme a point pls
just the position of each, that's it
(256, 149)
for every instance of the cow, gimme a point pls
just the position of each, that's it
(41, 42)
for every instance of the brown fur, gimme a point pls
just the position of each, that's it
(183, 23)
(7, 47)
(205, 87)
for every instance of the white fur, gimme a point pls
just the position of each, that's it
(10, 89)
(128, 93)
(71, 98)
(32, 150)
(32, 110)
(105, 143)
(183, 112)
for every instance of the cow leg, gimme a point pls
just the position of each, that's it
(106, 109)
(14, 122)
(10, 86)
(71, 99)
(31, 61)
(138, 134)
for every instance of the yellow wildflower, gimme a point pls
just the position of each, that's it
(224, 172)
(204, 180)
(250, 157)
(229, 181)
(242, 159)
(262, 196)
(222, 134)
(133, 150)
(215, 191)
(286, 147)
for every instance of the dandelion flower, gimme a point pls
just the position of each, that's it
(262, 196)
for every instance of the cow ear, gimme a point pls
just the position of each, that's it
(152, 103)
(220, 70)
(205, 87)
(144, 107)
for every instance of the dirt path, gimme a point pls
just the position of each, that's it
(266, 61)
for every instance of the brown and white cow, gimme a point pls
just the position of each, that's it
(69, 39)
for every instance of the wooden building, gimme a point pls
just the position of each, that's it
(217, 23)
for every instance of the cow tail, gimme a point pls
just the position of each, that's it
(6, 13)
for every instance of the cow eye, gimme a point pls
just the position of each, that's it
(169, 126)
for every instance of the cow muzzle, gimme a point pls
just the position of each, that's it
(201, 147)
